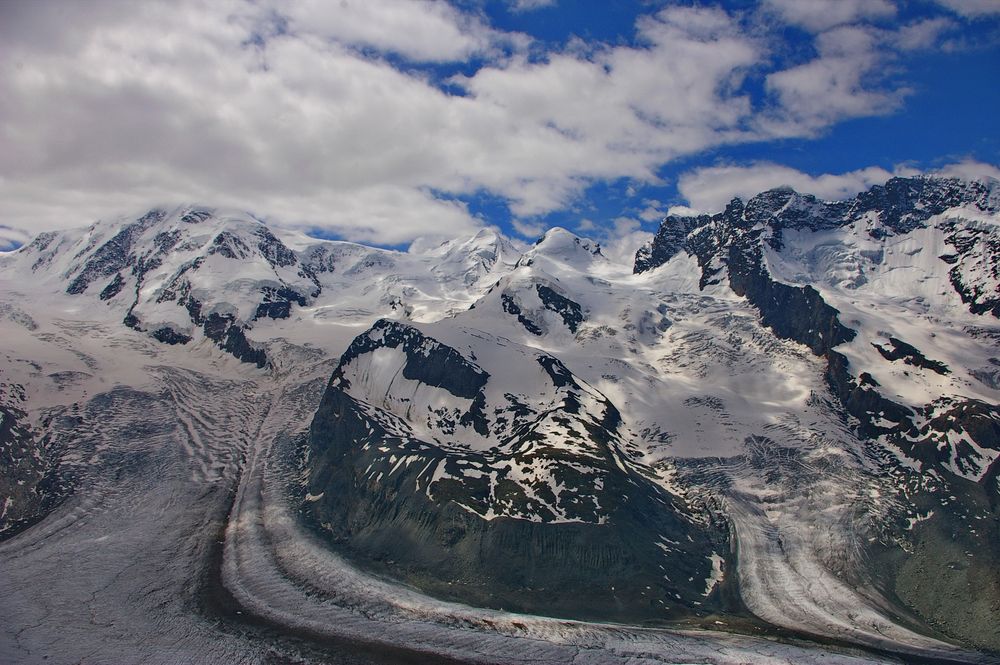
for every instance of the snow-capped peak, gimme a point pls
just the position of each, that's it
(564, 246)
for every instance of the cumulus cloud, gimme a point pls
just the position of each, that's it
(921, 34)
(969, 169)
(972, 8)
(619, 239)
(277, 109)
(831, 87)
(422, 30)
(528, 229)
(708, 190)
(653, 211)
(847, 78)
(621, 112)
(12, 238)
(301, 111)
(819, 15)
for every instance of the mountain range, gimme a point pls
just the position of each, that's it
(780, 421)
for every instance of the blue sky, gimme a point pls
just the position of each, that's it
(385, 120)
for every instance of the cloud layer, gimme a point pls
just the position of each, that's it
(373, 119)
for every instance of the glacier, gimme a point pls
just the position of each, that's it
(222, 440)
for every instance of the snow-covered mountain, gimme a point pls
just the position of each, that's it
(197, 273)
(782, 417)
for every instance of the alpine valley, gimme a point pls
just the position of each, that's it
(773, 437)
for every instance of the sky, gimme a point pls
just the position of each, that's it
(382, 121)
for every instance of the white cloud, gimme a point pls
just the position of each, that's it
(819, 15)
(530, 5)
(12, 238)
(622, 249)
(708, 190)
(969, 169)
(831, 87)
(972, 8)
(620, 239)
(388, 215)
(422, 30)
(296, 112)
(529, 230)
(224, 102)
(685, 211)
(621, 112)
(921, 34)
(653, 212)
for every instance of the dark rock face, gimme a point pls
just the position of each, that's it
(114, 255)
(730, 244)
(232, 339)
(170, 336)
(980, 421)
(900, 206)
(428, 361)
(904, 204)
(230, 246)
(197, 216)
(861, 400)
(130, 255)
(569, 310)
(910, 355)
(797, 313)
(976, 250)
(319, 259)
(272, 249)
(670, 239)
(511, 307)
(243, 349)
(278, 303)
(113, 288)
(30, 486)
(734, 239)
(415, 509)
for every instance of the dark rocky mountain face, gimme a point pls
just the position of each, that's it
(951, 445)
(545, 511)
(732, 244)
(25, 470)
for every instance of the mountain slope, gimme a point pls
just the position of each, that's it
(502, 480)
(197, 273)
(782, 418)
(896, 290)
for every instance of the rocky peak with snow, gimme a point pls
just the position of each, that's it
(468, 261)
(197, 273)
(903, 205)
(898, 292)
(181, 273)
(434, 445)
